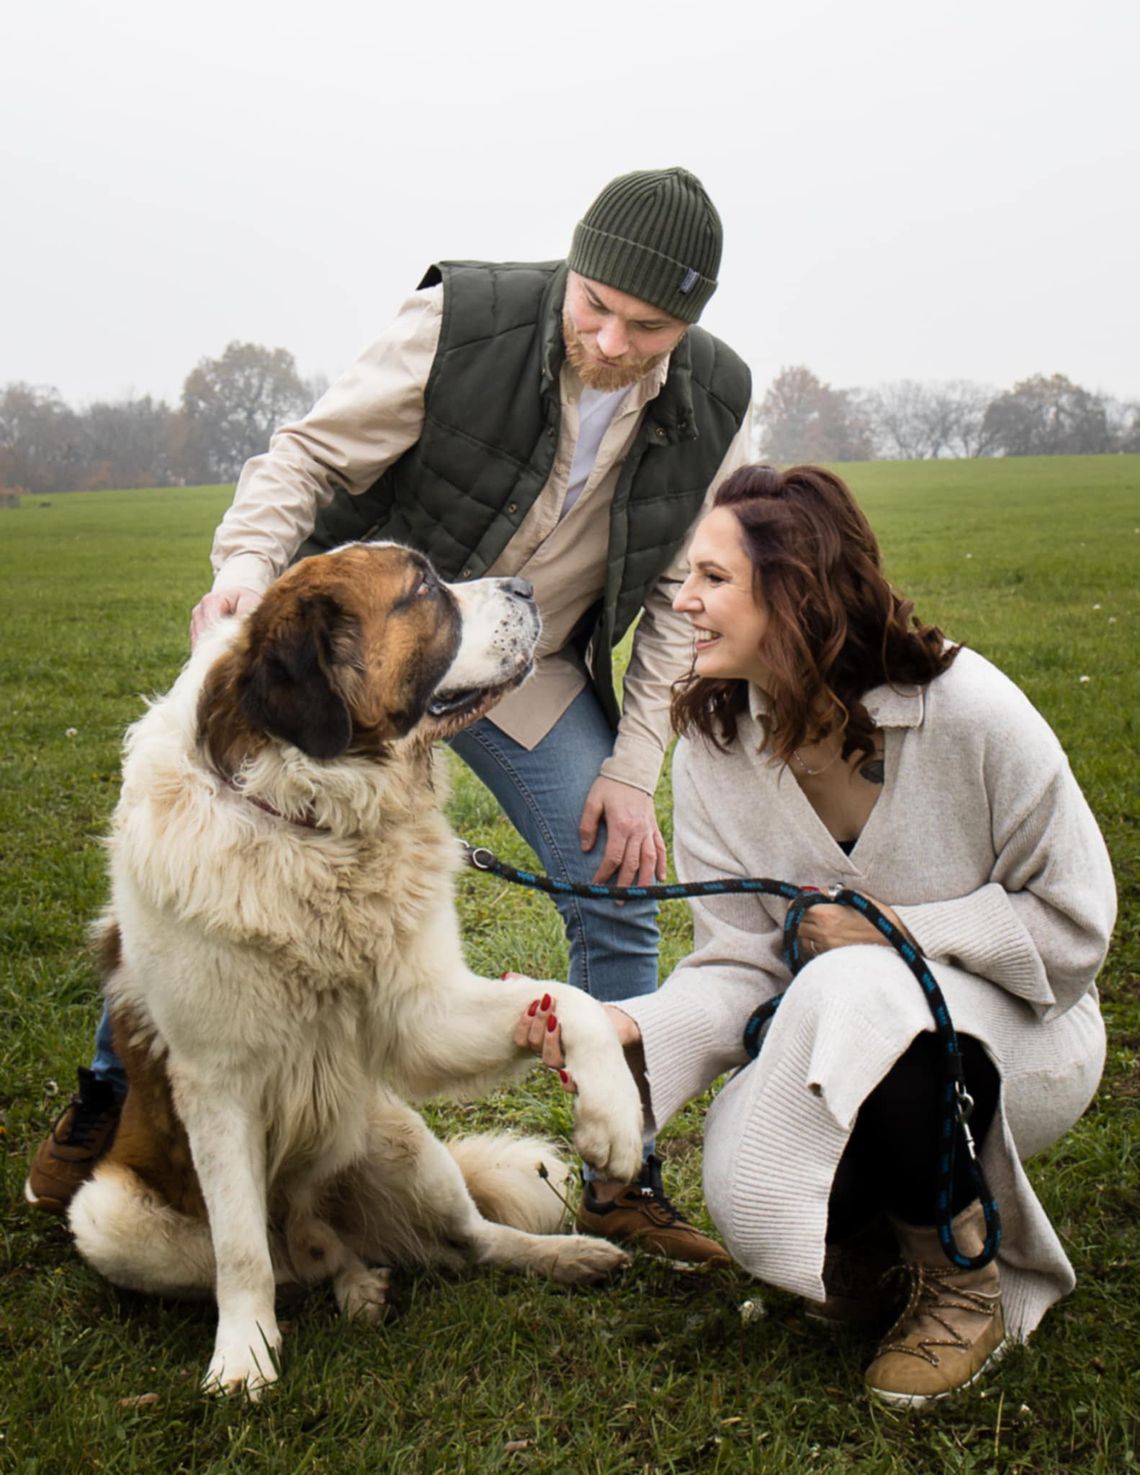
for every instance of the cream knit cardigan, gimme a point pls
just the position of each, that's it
(983, 843)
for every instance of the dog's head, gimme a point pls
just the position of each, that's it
(355, 649)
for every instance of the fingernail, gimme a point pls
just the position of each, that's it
(533, 1010)
(563, 1077)
(546, 1001)
(552, 1023)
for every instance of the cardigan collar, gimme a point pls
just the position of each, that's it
(887, 706)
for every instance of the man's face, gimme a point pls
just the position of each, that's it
(613, 339)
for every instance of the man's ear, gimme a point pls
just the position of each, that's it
(290, 690)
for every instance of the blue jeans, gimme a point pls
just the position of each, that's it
(613, 950)
(106, 1064)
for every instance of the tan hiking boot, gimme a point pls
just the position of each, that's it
(861, 1294)
(952, 1327)
(82, 1133)
(643, 1218)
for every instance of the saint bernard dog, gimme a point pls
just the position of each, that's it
(284, 969)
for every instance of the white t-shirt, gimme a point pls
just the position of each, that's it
(596, 410)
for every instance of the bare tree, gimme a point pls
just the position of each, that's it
(1124, 424)
(315, 386)
(914, 421)
(129, 443)
(970, 437)
(898, 414)
(803, 419)
(233, 404)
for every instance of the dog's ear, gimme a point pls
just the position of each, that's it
(291, 689)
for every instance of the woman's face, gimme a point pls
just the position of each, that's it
(728, 621)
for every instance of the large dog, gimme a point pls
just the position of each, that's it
(283, 965)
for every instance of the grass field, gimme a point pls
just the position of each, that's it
(1032, 562)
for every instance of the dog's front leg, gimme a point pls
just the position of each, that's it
(228, 1145)
(471, 1048)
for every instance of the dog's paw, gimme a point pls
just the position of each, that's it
(607, 1129)
(364, 1295)
(582, 1260)
(244, 1364)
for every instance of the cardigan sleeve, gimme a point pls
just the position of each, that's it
(692, 1028)
(1041, 925)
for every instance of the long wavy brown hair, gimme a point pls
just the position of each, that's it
(835, 627)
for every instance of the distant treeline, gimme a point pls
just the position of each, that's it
(802, 419)
(231, 405)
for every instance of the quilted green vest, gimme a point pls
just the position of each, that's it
(492, 413)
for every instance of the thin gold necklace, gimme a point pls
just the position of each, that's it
(815, 772)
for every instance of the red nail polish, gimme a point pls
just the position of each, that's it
(546, 1002)
(563, 1076)
(533, 1010)
(552, 1023)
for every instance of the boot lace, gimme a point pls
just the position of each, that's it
(932, 1291)
(87, 1121)
(665, 1209)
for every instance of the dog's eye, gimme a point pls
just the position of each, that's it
(425, 588)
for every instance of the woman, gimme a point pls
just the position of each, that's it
(829, 737)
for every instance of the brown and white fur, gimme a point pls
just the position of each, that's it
(284, 968)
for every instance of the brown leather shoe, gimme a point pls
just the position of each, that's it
(82, 1133)
(952, 1327)
(861, 1295)
(642, 1217)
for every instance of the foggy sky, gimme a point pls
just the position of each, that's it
(908, 190)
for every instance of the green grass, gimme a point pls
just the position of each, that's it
(1032, 562)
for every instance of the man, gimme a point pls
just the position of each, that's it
(562, 422)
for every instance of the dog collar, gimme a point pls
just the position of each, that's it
(305, 821)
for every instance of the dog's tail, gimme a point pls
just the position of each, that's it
(515, 1180)
(135, 1239)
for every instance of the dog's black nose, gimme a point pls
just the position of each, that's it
(519, 587)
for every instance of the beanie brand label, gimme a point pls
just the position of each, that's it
(689, 280)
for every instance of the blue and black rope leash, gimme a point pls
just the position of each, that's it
(957, 1104)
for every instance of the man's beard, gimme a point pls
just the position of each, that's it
(604, 376)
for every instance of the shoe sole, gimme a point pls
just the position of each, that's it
(659, 1252)
(920, 1401)
(45, 1205)
(646, 1244)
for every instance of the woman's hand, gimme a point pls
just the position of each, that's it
(825, 927)
(538, 1030)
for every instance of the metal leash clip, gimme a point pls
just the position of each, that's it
(965, 1112)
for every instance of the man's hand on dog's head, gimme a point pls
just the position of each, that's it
(236, 601)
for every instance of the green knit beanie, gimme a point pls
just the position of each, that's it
(656, 235)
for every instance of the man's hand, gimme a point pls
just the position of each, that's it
(635, 849)
(826, 927)
(211, 607)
